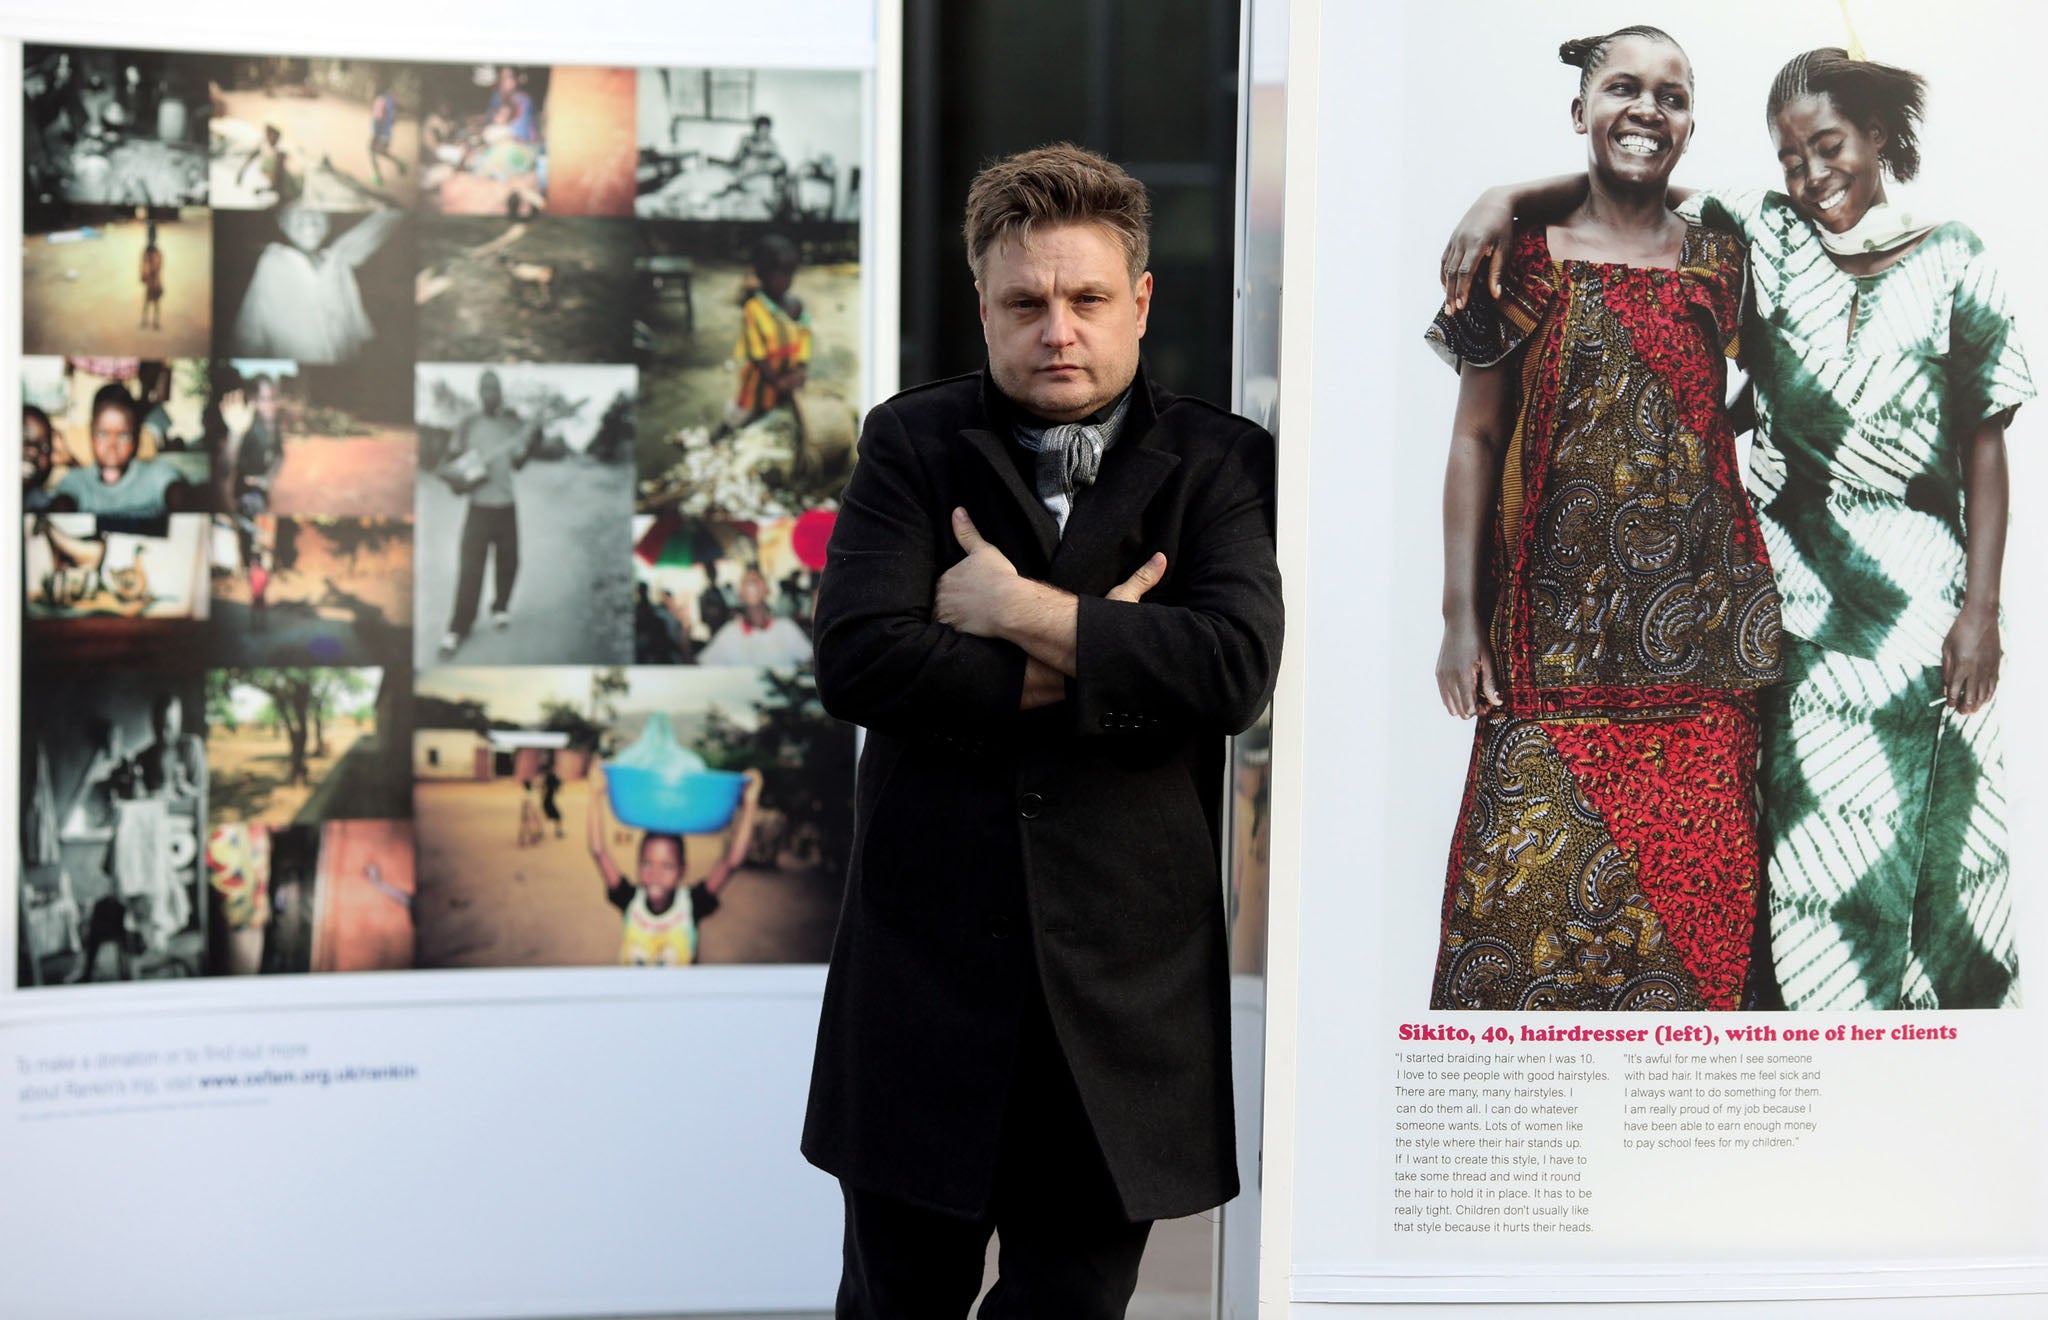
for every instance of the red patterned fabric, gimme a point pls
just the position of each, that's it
(1675, 803)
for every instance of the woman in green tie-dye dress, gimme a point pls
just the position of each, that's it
(1885, 368)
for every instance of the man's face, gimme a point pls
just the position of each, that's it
(753, 589)
(489, 392)
(1062, 319)
(266, 401)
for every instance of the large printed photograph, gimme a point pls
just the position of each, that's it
(460, 436)
(1727, 489)
(628, 816)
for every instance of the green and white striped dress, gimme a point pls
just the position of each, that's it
(1884, 821)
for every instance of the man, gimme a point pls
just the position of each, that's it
(1049, 595)
(487, 447)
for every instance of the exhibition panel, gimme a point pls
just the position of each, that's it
(322, 335)
(1727, 748)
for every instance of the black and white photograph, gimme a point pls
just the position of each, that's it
(750, 144)
(114, 792)
(318, 288)
(523, 530)
(548, 289)
(337, 135)
(749, 338)
(113, 128)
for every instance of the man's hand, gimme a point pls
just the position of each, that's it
(975, 594)
(1133, 588)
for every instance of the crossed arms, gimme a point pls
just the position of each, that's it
(908, 642)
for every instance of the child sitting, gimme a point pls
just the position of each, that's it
(774, 348)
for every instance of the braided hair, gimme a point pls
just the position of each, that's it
(1588, 54)
(1868, 94)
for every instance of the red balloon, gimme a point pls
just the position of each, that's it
(810, 535)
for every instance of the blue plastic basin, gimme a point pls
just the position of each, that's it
(699, 802)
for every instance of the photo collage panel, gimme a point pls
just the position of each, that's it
(426, 477)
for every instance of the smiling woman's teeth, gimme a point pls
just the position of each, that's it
(1831, 201)
(1640, 145)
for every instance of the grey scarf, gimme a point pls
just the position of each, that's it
(1070, 456)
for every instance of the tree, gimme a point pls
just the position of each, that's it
(606, 684)
(431, 712)
(805, 758)
(355, 536)
(585, 734)
(300, 701)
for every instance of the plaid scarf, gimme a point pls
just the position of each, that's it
(1070, 455)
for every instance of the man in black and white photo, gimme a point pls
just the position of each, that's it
(1050, 595)
(488, 446)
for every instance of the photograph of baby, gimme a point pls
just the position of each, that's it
(127, 280)
(526, 471)
(338, 135)
(540, 290)
(749, 339)
(638, 817)
(300, 440)
(519, 140)
(291, 591)
(334, 897)
(726, 593)
(295, 746)
(315, 287)
(780, 145)
(116, 128)
(114, 776)
(121, 438)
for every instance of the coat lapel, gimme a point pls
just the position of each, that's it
(995, 451)
(1107, 511)
(1132, 472)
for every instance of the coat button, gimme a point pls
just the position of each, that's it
(1001, 928)
(1029, 805)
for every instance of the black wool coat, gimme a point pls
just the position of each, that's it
(1071, 849)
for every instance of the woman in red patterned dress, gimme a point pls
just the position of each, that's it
(1608, 608)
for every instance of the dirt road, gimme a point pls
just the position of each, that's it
(572, 599)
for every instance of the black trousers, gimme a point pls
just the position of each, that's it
(1067, 1252)
(491, 529)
